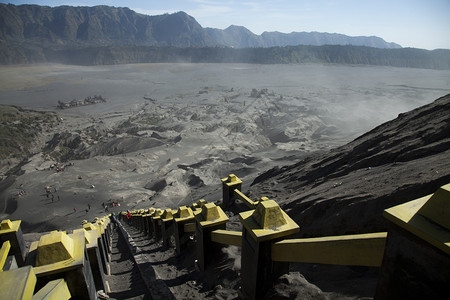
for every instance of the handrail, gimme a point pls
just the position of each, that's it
(349, 250)
(247, 201)
(4, 251)
(227, 237)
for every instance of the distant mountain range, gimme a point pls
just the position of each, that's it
(110, 35)
(241, 37)
(104, 25)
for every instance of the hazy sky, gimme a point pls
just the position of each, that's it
(410, 23)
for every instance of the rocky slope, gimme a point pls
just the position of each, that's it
(346, 189)
(99, 25)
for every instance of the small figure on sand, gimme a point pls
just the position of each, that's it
(129, 217)
(74, 209)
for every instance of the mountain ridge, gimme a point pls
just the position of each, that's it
(106, 25)
(109, 35)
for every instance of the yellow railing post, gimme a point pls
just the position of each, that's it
(210, 218)
(156, 225)
(167, 223)
(61, 255)
(145, 221)
(17, 283)
(102, 227)
(183, 216)
(262, 227)
(140, 219)
(95, 260)
(229, 184)
(418, 248)
(55, 289)
(198, 205)
(11, 231)
(4, 251)
(148, 221)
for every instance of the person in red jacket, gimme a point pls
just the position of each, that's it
(129, 217)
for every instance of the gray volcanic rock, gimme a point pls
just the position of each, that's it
(346, 189)
(294, 286)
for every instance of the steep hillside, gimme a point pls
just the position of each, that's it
(346, 190)
(98, 25)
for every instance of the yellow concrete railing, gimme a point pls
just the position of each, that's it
(56, 289)
(349, 250)
(265, 241)
(189, 227)
(427, 217)
(227, 237)
(4, 251)
(247, 201)
(17, 283)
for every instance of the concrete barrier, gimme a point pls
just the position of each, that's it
(418, 247)
(167, 223)
(56, 289)
(101, 246)
(210, 218)
(148, 219)
(156, 225)
(229, 185)
(348, 250)
(183, 216)
(262, 227)
(227, 237)
(11, 231)
(95, 260)
(60, 255)
(4, 252)
(18, 283)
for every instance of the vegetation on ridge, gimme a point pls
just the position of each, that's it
(107, 55)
